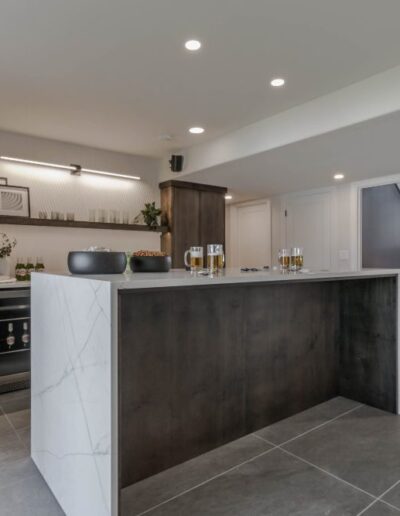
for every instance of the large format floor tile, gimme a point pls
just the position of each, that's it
(15, 401)
(274, 484)
(29, 496)
(380, 509)
(20, 419)
(169, 483)
(305, 421)
(362, 447)
(393, 496)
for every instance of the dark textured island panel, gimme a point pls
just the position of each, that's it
(202, 366)
(368, 341)
(290, 349)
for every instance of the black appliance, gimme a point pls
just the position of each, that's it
(15, 315)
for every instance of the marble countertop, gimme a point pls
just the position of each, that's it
(181, 278)
(15, 284)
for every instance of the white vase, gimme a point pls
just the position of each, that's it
(5, 266)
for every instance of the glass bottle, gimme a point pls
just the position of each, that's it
(25, 338)
(29, 269)
(10, 340)
(39, 267)
(20, 270)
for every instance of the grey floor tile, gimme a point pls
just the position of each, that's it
(362, 447)
(5, 426)
(25, 436)
(13, 470)
(305, 421)
(11, 452)
(15, 401)
(20, 418)
(273, 484)
(381, 509)
(167, 484)
(31, 496)
(393, 496)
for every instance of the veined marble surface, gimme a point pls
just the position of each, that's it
(8, 285)
(71, 391)
(181, 278)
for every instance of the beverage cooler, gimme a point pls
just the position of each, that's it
(14, 339)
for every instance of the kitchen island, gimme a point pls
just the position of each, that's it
(133, 374)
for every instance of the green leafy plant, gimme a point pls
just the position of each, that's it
(6, 245)
(151, 214)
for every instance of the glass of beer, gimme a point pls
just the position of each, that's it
(296, 259)
(284, 259)
(194, 258)
(215, 258)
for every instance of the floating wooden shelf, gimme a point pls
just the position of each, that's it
(26, 221)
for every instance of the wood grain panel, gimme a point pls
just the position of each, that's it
(201, 366)
(368, 341)
(291, 353)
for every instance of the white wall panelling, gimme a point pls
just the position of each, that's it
(56, 190)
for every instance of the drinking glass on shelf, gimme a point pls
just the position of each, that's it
(114, 216)
(60, 215)
(215, 258)
(284, 259)
(70, 216)
(102, 215)
(296, 259)
(92, 215)
(54, 215)
(195, 262)
(125, 217)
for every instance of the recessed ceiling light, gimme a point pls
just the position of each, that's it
(277, 82)
(193, 45)
(228, 197)
(338, 176)
(196, 130)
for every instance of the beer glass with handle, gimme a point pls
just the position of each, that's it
(193, 258)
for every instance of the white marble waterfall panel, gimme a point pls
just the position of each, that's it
(71, 391)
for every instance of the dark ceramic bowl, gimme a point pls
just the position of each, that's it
(96, 262)
(150, 263)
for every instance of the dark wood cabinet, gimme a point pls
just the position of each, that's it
(195, 215)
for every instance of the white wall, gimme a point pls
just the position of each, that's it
(343, 230)
(55, 190)
(343, 225)
(345, 222)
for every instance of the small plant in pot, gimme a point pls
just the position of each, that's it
(6, 247)
(151, 214)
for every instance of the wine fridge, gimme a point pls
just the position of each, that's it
(14, 339)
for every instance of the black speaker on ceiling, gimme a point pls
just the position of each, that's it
(176, 163)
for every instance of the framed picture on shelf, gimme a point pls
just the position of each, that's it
(3, 181)
(14, 201)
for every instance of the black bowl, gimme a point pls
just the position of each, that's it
(150, 263)
(96, 262)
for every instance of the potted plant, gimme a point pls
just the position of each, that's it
(151, 214)
(6, 247)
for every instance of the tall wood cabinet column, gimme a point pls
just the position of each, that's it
(195, 215)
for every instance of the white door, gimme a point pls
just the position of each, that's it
(253, 235)
(308, 225)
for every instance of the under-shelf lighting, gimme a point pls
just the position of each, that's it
(74, 169)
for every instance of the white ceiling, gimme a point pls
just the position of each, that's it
(115, 74)
(362, 151)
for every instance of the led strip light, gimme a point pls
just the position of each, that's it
(74, 169)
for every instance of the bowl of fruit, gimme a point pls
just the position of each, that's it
(150, 261)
